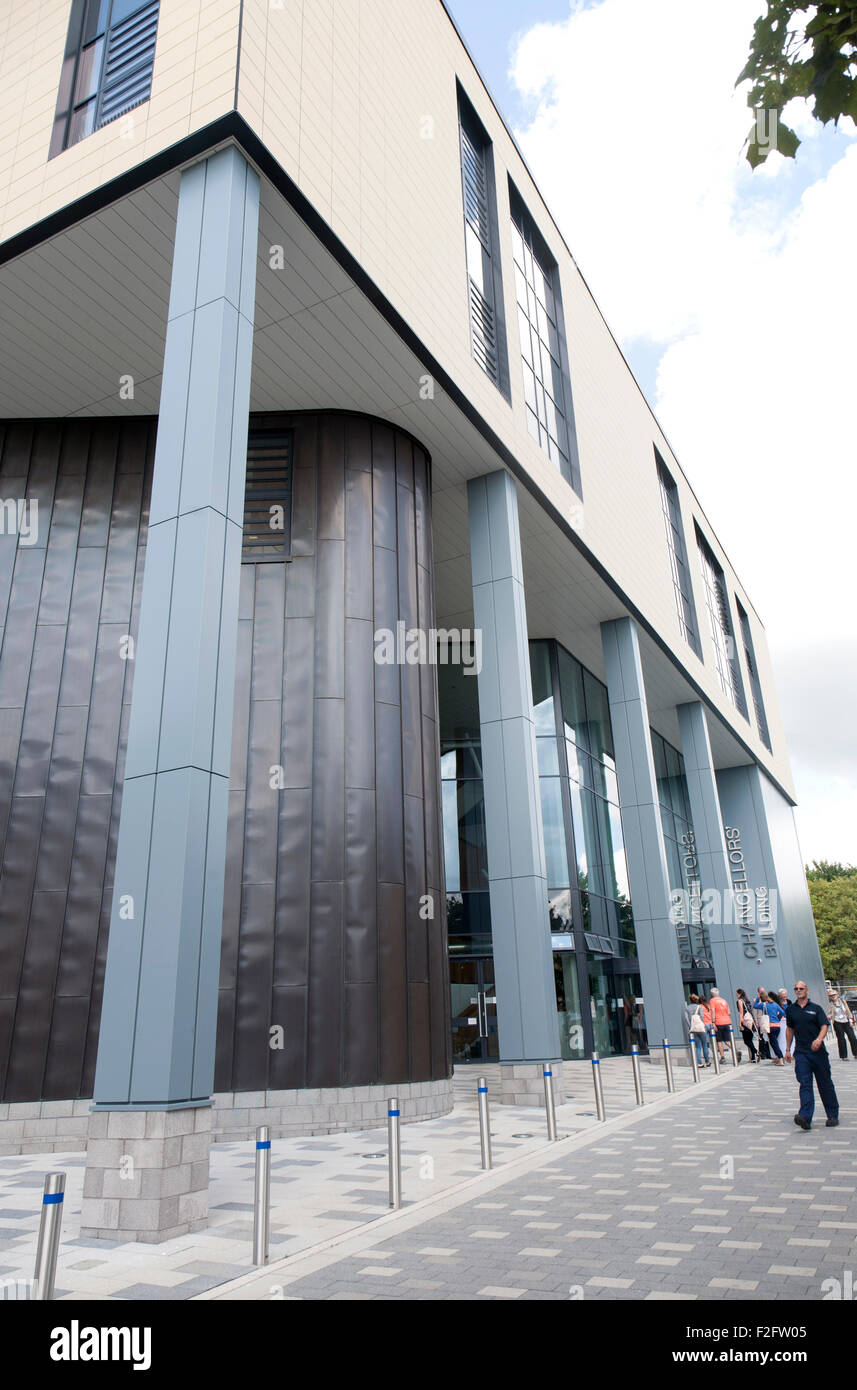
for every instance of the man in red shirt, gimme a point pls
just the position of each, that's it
(722, 1020)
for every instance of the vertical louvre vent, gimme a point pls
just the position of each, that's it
(268, 497)
(128, 66)
(483, 333)
(475, 189)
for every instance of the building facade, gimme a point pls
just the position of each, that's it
(374, 692)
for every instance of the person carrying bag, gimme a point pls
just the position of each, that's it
(697, 1029)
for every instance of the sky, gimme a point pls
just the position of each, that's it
(733, 295)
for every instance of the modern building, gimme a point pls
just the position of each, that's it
(364, 645)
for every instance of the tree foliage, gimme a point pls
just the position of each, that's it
(800, 50)
(829, 869)
(834, 907)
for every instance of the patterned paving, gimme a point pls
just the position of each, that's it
(320, 1187)
(718, 1197)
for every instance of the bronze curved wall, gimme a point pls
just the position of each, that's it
(322, 931)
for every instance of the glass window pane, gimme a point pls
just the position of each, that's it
(598, 718)
(524, 330)
(448, 766)
(450, 837)
(556, 859)
(517, 246)
(66, 79)
(96, 19)
(82, 122)
(529, 388)
(540, 672)
(589, 808)
(521, 289)
(573, 705)
(532, 424)
(548, 757)
(88, 72)
(473, 857)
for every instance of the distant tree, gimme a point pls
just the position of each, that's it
(830, 869)
(800, 50)
(834, 907)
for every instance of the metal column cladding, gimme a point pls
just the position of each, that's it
(657, 948)
(159, 1011)
(523, 961)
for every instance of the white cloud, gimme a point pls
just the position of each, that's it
(635, 139)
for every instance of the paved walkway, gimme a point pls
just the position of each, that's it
(710, 1195)
(321, 1187)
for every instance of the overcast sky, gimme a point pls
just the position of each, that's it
(734, 297)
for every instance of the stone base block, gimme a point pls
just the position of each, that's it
(44, 1126)
(330, 1110)
(146, 1174)
(522, 1083)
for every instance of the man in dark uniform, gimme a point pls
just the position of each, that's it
(807, 1024)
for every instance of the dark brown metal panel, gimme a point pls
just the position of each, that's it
(393, 983)
(82, 634)
(267, 675)
(10, 737)
(287, 1068)
(388, 778)
(67, 1046)
(330, 627)
(359, 598)
(105, 710)
(384, 486)
(62, 549)
(292, 934)
(415, 888)
(255, 982)
(360, 1035)
(232, 891)
(224, 1047)
(35, 997)
(20, 630)
(360, 704)
(361, 888)
(42, 476)
(122, 549)
(100, 477)
(18, 876)
(328, 799)
(40, 712)
(260, 817)
(331, 479)
(324, 1011)
(419, 1025)
(298, 683)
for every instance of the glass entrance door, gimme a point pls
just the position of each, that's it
(474, 1011)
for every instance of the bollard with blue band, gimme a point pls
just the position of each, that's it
(394, 1152)
(735, 1057)
(638, 1079)
(693, 1062)
(668, 1067)
(48, 1245)
(550, 1109)
(484, 1121)
(715, 1055)
(599, 1089)
(262, 1197)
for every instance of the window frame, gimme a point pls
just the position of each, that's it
(688, 618)
(82, 35)
(721, 626)
(753, 673)
(470, 126)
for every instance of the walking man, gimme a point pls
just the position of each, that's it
(807, 1024)
(842, 1019)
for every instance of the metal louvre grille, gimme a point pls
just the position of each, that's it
(268, 497)
(475, 189)
(128, 66)
(483, 332)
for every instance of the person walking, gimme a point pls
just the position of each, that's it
(763, 1024)
(784, 1002)
(807, 1024)
(721, 1017)
(697, 1030)
(776, 1016)
(746, 1023)
(842, 1018)
(706, 1018)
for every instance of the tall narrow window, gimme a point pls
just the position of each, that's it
(678, 557)
(546, 388)
(107, 66)
(753, 672)
(487, 334)
(726, 657)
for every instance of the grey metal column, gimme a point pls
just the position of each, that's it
(710, 851)
(158, 1020)
(523, 963)
(657, 947)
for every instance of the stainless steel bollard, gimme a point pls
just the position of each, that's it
(715, 1055)
(693, 1062)
(638, 1079)
(262, 1197)
(732, 1045)
(668, 1067)
(394, 1151)
(599, 1089)
(48, 1245)
(550, 1108)
(484, 1122)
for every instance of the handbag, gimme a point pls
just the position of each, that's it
(697, 1024)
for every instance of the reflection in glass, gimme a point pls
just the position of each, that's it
(543, 711)
(556, 859)
(568, 1004)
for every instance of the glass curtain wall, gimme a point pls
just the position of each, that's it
(694, 944)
